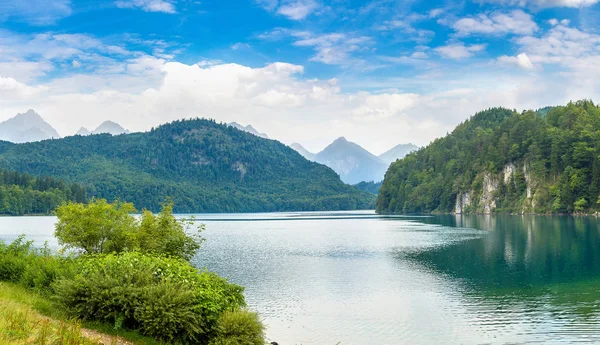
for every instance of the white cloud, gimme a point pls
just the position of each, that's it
(406, 25)
(521, 60)
(561, 45)
(497, 23)
(164, 6)
(544, 3)
(330, 48)
(384, 106)
(459, 51)
(35, 12)
(292, 9)
(240, 45)
(11, 90)
(298, 9)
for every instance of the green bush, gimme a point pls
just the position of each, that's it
(100, 227)
(239, 327)
(13, 259)
(30, 267)
(163, 297)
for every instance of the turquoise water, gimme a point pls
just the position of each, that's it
(356, 278)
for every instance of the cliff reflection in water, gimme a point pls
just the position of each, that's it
(538, 260)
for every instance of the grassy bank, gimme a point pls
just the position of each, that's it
(28, 318)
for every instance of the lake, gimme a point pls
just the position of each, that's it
(354, 278)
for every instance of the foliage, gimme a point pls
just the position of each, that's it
(239, 327)
(202, 165)
(98, 227)
(33, 268)
(101, 227)
(163, 297)
(555, 153)
(24, 194)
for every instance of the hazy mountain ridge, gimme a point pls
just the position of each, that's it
(397, 152)
(26, 127)
(106, 127)
(248, 129)
(202, 165)
(304, 152)
(352, 162)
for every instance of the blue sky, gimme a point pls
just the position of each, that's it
(379, 72)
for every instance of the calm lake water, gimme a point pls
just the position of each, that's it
(358, 279)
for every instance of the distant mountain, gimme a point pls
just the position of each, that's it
(109, 127)
(353, 163)
(397, 152)
(248, 129)
(83, 131)
(304, 152)
(202, 165)
(26, 127)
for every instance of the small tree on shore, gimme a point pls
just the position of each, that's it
(100, 227)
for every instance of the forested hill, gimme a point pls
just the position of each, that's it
(24, 194)
(503, 161)
(203, 166)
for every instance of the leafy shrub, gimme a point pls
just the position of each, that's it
(101, 228)
(239, 327)
(30, 267)
(13, 259)
(162, 297)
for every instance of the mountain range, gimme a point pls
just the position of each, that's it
(26, 127)
(31, 127)
(202, 165)
(106, 127)
(352, 162)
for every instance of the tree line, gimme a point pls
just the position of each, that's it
(22, 194)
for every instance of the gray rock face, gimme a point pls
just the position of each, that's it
(27, 127)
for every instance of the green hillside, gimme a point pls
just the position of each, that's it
(503, 161)
(203, 166)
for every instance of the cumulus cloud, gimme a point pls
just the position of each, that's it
(164, 6)
(521, 60)
(459, 51)
(497, 23)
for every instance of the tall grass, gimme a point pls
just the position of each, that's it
(20, 325)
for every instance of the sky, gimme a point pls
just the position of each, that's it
(378, 72)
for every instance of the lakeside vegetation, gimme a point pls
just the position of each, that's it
(504, 162)
(22, 194)
(202, 165)
(132, 274)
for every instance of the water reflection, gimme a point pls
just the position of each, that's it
(537, 273)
